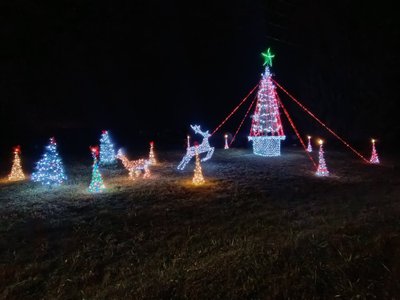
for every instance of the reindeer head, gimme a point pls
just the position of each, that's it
(196, 129)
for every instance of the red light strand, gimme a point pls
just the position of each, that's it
(320, 122)
(235, 109)
(241, 123)
(296, 131)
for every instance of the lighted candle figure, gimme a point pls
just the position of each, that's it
(322, 169)
(309, 147)
(226, 142)
(374, 156)
(188, 141)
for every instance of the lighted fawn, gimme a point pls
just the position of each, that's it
(134, 166)
(201, 148)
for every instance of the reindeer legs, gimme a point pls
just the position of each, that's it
(185, 160)
(209, 154)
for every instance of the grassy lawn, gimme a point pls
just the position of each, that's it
(260, 228)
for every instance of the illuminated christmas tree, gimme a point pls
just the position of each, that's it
(374, 156)
(226, 142)
(97, 184)
(309, 147)
(107, 152)
(322, 169)
(198, 178)
(49, 170)
(266, 128)
(152, 157)
(16, 170)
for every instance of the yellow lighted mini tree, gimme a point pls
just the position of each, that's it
(198, 178)
(16, 170)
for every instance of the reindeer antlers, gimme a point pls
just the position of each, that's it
(197, 129)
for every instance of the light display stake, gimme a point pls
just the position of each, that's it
(49, 169)
(107, 152)
(152, 157)
(226, 142)
(188, 141)
(16, 173)
(374, 156)
(134, 166)
(198, 178)
(203, 147)
(309, 147)
(97, 184)
(266, 127)
(322, 169)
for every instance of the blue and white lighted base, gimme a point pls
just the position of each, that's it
(267, 145)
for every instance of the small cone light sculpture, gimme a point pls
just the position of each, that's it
(226, 142)
(309, 147)
(97, 184)
(322, 169)
(152, 157)
(198, 178)
(16, 170)
(374, 156)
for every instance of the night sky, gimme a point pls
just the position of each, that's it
(151, 68)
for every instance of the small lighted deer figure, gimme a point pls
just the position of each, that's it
(201, 148)
(134, 166)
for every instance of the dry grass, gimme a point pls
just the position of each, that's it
(259, 229)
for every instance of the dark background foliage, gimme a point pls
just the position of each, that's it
(147, 69)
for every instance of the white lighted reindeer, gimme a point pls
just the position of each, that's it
(134, 166)
(201, 148)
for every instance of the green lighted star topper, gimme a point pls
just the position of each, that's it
(268, 56)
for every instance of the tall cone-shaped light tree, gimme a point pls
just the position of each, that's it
(266, 128)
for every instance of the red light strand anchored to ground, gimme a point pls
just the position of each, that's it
(234, 110)
(296, 131)
(320, 122)
(241, 123)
